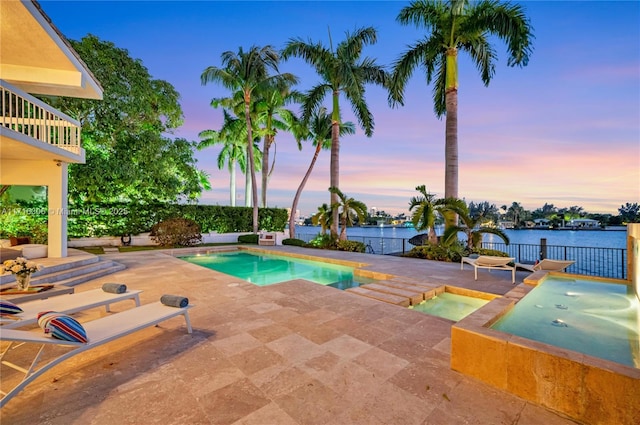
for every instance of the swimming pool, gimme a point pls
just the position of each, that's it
(597, 318)
(266, 269)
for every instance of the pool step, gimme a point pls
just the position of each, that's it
(415, 297)
(396, 292)
(426, 291)
(381, 296)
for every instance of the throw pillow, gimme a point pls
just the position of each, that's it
(62, 327)
(7, 307)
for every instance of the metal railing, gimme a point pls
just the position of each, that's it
(599, 262)
(23, 113)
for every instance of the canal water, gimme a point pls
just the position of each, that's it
(582, 238)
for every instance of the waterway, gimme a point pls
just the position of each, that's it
(579, 238)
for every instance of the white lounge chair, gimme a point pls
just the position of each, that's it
(547, 265)
(100, 331)
(490, 262)
(67, 304)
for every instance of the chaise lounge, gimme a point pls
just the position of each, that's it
(66, 304)
(98, 332)
(491, 263)
(547, 265)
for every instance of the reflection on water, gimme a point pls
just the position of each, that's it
(591, 317)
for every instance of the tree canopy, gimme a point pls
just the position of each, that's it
(128, 154)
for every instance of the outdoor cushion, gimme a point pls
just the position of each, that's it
(174, 301)
(61, 326)
(7, 307)
(34, 250)
(19, 240)
(9, 254)
(114, 288)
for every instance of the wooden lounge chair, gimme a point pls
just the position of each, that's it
(547, 265)
(67, 304)
(490, 262)
(100, 331)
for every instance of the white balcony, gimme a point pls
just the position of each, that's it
(35, 124)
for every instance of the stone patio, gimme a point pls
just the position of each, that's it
(290, 353)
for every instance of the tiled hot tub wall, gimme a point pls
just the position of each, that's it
(585, 388)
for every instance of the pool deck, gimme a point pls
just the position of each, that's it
(290, 353)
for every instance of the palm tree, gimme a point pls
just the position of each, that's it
(272, 116)
(515, 212)
(236, 103)
(342, 71)
(472, 228)
(246, 72)
(231, 137)
(348, 208)
(427, 207)
(319, 131)
(322, 218)
(457, 25)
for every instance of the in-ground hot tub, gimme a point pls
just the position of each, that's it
(582, 385)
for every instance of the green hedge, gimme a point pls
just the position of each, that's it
(294, 242)
(115, 219)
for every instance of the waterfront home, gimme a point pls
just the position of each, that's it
(583, 223)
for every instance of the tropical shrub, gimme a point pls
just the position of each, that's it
(293, 242)
(176, 232)
(325, 241)
(350, 246)
(250, 239)
(440, 252)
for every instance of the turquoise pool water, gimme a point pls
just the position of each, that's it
(450, 306)
(591, 317)
(267, 269)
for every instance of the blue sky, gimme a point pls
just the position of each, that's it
(564, 130)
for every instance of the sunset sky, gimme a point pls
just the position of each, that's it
(564, 130)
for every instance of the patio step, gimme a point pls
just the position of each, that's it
(381, 296)
(73, 273)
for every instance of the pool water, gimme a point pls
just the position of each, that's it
(267, 269)
(591, 317)
(450, 306)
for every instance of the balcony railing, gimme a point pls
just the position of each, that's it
(23, 113)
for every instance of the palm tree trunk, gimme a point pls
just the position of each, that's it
(451, 145)
(252, 167)
(451, 134)
(343, 229)
(335, 160)
(232, 183)
(265, 168)
(432, 236)
(296, 198)
(247, 185)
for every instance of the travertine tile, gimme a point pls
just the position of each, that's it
(233, 402)
(292, 353)
(251, 361)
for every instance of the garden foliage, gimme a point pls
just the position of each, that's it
(176, 232)
(116, 219)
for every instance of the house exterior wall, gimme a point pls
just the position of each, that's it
(54, 175)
